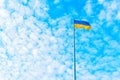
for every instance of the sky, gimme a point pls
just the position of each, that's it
(37, 41)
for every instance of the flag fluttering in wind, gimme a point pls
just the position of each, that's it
(82, 24)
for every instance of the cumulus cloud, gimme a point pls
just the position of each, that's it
(56, 1)
(30, 47)
(88, 7)
(101, 1)
(35, 46)
(97, 50)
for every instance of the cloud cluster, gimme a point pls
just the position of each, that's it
(34, 46)
(98, 50)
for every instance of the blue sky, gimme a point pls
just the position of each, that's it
(36, 40)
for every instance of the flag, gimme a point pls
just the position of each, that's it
(82, 24)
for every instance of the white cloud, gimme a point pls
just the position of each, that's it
(4, 13)
(115, 29)
(98, 54)
(36, 49)
(88, 7)
(31, 49)
(101, 1)
(56, 1)
(110, 9)
(102, 15)
(118, 15)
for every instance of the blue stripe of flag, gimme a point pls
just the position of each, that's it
(81, 22)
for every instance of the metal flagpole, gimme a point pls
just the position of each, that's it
(74, 57)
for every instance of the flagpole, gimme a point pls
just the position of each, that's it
(74, 57)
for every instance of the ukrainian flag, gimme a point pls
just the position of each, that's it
(82, 24)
